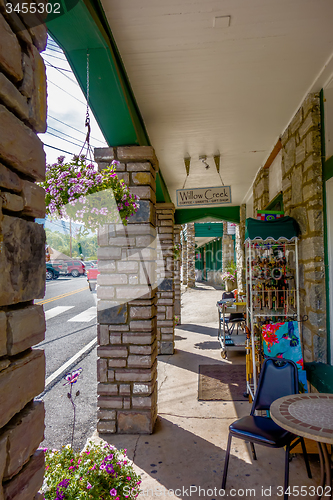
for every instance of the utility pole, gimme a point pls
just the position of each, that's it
(70, 238)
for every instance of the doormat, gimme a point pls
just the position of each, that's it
(222, 382)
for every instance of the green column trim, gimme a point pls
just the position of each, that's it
(112, 99)
(327, 167)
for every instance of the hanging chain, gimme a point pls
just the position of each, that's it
(87, 122)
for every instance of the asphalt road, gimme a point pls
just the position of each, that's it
(70, 311)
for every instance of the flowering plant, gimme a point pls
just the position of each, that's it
(227, 276)
(98, 472)
(230, 272)
(76, 190)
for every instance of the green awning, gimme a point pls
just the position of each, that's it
(286, 228)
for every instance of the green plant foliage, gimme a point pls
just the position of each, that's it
(60, 242)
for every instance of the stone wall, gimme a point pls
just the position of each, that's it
(227, 247)
(184, 256)
(165, 293)
(126, 307)
(190, 255)
(176, 275)
(22, 254)
(240, 250)
(303, 200)
(261, 191)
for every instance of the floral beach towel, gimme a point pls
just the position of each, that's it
(282, 340)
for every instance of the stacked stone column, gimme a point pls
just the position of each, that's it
(184, 255)
(22, 254)
(190, 255)
(227, 247)
(165, 278)
(176, 274)
(240, 250)
(126, 308)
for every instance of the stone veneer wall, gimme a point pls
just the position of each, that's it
(184, 257)
(227, 247)
(165, 278)
(261, 190)
(22, 254)
(240, 250)
(126, 307)
(303, 200)
(176, 275)
(190, 255)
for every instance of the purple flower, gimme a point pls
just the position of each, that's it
(71, 378)
(89, 486)
(113, 492)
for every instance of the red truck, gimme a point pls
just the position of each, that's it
(92, 278)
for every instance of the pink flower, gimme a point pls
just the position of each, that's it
(128, 478)
(113, 492)
(89, 486)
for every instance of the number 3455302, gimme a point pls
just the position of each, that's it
(33, 8)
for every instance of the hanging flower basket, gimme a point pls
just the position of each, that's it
(76, 190)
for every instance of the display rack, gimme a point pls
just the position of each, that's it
(272, 283)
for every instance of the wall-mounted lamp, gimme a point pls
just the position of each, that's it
(203, 158)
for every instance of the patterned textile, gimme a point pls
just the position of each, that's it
(281, 340)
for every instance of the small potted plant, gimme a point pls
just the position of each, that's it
(229, 276)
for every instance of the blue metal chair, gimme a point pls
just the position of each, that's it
(278, 378)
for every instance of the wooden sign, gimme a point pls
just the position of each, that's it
(198, 197)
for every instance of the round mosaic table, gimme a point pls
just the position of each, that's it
(309, 416)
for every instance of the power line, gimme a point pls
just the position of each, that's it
(49, 81)
(77, 130)
(53, 49)
(62, 139)
(55, 135)
(61, 71)
(55, 57)
(63, 151)
(56, 67)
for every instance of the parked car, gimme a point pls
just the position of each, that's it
(75, 268)
(52, 273)
(61, 266)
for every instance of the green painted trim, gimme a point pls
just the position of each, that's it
(327, 169)
(162, 193)
(111, 97)
(278, 198)
(320, 375)
(185, 215)
(326, 166)
(208, 229)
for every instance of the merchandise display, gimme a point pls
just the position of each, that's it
(273, 303)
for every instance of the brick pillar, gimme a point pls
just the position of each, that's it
(165, 285)
(176, 274)
(190, 255)
(184, 256)
(22, 255)
(240, 250)
(126, 308)
(227, 247)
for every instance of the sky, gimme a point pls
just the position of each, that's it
(66, 109)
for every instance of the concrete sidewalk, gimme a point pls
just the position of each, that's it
(187, 450)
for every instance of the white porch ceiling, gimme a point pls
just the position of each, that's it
(204, 90)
